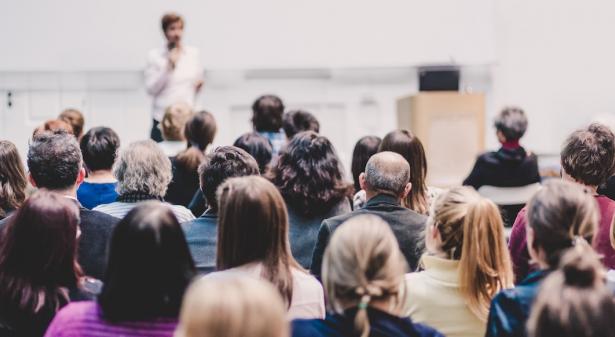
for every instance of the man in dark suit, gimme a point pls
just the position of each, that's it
(386, 183)
(55, 163)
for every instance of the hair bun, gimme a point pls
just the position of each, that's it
(580, 268)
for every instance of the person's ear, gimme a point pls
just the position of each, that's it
(406, 191)
(31, 180)
(80, 177)
(362, 182)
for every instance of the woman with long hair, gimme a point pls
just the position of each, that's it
(39, 272)
(253, 241)
(574, 301)
(560, 216)
(240, 307)
(363, 274)
(149, 269)
(465, 265)
(308, 173)
(199, 131)
(13, 181)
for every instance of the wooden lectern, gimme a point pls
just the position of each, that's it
(451, 126)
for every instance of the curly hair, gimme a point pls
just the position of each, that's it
(143, 167)
(588, 155)
(308, 173)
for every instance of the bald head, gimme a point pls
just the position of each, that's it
(387, 172)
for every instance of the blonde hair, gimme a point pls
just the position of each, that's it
(472, 232)
(174, 121)
(239, 307)
(363, 263)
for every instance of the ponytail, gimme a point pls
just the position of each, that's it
(200, 131)
(190, 158)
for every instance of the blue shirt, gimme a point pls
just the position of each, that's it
(510, 308)
(277, 140)
(91, 195)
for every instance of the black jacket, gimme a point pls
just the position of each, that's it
(504, 168)
(407, 225)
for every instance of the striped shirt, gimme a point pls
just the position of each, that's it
(84, 319)
(119, 209)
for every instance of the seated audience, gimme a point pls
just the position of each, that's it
(240, 307)
(560, 216)
(54, 126)
(363, 274)
(363, 150)
(258, 147)
(308, 173)
(253, 242)
(143, 173)
(99, 148)
(54, 160)
(466, 263)
(172, 126)
(587, 157)
(511, 165)
(410, 147)
(13, 181)
(149, 269)
(75, 119)
(297, 121)
(202, 233)
(574, 301)
(200, 132)
(39, 272)
(267, 114)
(386, 181)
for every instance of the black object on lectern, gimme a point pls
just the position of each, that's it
(438, 79)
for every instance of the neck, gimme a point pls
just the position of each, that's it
(70, 192)
(101, 176)
(372, 194)
(511, 144)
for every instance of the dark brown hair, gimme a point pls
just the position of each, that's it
(253, 227)
(558, 214)
(308, 174)
(38, 255)
(13, 181)
(200, 132)
(75, 118)
(411, 148)
(267, 113)
(298, 121)
(588, 155)
(169, 19)
(363, 150)
(574, 301)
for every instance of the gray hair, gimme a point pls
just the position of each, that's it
(143, 168)
(387, 172)
(512, 122)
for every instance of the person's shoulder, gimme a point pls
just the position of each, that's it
(426, 331)
(202, 223)
(77, 311)
(97, 215)
(310, 328)
(182, 213)
(306, 279)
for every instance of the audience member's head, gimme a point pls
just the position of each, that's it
(200, 132)
(411, 148)
(172, 27)
(54, 161)
(588, 155)
(559, 216)
(297, 121)
(258, 147)
(38, 255)
(510, 124)
(75, 119)
(267, 114)
(149, 266)
(308, 173)
(363, 266)
(238, 307)
(99, 148)
(467, 227)
(54, 126)
(222, 163)
(253, 227)
(386, 173)
(143, 168)
(363, 150)
(174, 121)
(573, 301)
(13, 180)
